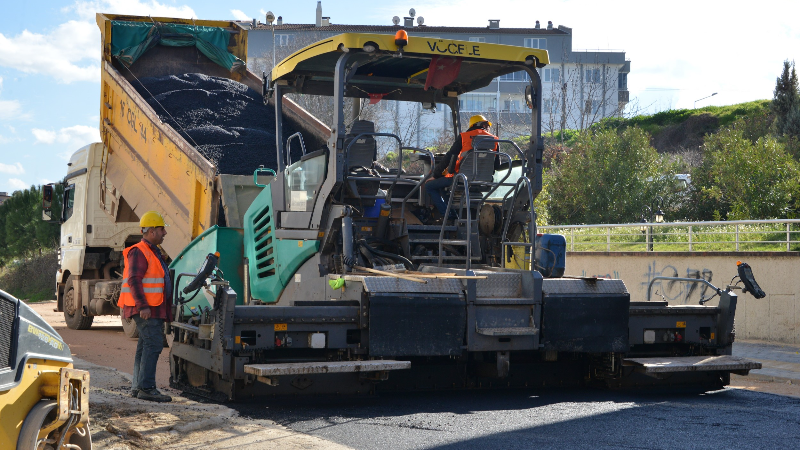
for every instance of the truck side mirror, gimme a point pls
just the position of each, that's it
(529, 96)
(47, 202)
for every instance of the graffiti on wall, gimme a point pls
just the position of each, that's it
(677, 292)
(614, 275)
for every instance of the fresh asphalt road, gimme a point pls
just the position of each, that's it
(536, 419)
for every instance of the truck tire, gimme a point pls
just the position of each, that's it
(128, 326)
(72, 314)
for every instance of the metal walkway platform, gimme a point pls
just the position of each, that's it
(691, 364)
(272, 370)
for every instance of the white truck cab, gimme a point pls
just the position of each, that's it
(95, 229)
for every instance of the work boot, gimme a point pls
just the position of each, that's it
(154, 396)
(134, 393)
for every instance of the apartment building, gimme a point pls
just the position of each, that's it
(580, 87)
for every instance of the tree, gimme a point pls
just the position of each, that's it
(23, 233)
(608, 177)
(741, 179)
(786, 100)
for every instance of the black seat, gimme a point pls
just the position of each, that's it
(360, 158)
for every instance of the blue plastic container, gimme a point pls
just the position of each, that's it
(551, 255)
(374, 211)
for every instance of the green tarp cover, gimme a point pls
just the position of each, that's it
(130, 40)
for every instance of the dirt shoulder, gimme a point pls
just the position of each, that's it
(785, 388)
(120, 422)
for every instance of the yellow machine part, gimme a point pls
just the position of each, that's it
(40, 379)
(420, 45)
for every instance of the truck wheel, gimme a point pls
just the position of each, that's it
(72, 313)
(39, 419)
(128, 326)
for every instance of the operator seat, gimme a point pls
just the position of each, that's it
(363, 182)
(479, 169)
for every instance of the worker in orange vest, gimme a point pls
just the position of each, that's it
(446, 168)
(146, 298)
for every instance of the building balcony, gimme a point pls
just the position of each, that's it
(623, 96)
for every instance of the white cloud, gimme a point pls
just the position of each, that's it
(12, 169)
(87, 9)
(73, 137)
(17, 184)
(10, 109)
(68, 53)
(44, 136)
(239, 15)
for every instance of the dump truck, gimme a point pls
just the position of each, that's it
(337, 281)
(44, 399)
(143, 163)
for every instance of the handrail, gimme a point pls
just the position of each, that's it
(289, 148)
(420, 183)
(531, 224)
(481, 139)
(458, 176)
(676, 224)
(690, 280)
(262, 169)
(695, 235)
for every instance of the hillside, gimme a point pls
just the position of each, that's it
(681, 130)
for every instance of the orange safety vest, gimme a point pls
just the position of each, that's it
(466, 145)
(152, 282)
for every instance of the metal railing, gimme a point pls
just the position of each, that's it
(739, 235)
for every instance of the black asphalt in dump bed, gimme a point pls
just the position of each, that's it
(226, 121)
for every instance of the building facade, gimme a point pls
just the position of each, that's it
(579, 87)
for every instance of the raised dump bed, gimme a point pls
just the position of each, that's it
(184, 122)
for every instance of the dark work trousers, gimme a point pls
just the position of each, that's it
(147, 351)
(435, 188)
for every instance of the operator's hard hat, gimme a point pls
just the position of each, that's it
(152, 219)
(477, 119)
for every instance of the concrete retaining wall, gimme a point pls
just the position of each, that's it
(774, 318)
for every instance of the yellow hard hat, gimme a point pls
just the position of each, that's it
(152, 219)
(477, 119)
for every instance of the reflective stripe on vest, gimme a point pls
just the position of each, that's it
(152, 281)
(466, 145)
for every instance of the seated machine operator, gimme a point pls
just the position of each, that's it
(445, 170)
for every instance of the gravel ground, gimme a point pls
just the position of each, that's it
(225, 120)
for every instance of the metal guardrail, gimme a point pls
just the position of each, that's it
(738, 235)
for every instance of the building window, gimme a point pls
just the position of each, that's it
(593, 76)
(516, 76)
(477, 39)
(536, 43)
(284, 40)
(593, 106)
(551, 75)
(477, 102)
(622, 81)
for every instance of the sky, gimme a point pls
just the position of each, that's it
(680, 52)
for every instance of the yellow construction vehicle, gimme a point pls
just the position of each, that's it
(44, 401)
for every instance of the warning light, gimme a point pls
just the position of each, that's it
(401, 38)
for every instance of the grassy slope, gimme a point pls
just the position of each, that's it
(678, 128)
